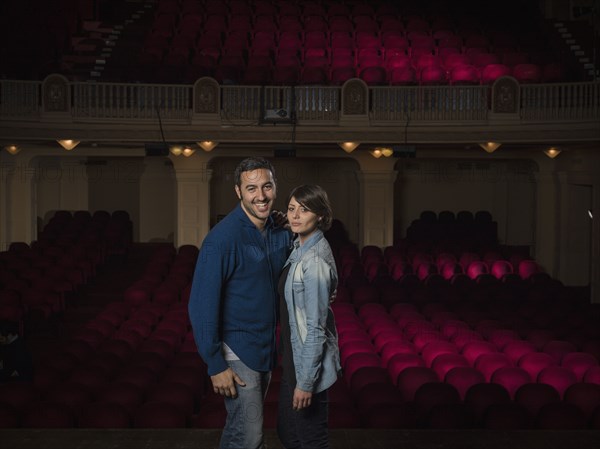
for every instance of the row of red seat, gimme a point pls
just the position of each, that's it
(301, 48)
(406, 356)
(38, 281)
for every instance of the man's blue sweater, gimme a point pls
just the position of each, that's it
(234, 292)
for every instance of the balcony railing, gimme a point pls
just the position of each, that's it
(311, 105)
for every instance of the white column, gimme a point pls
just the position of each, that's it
(562, 226)
(157, 205)
(19, 204)
(595, 256)
(377, 206)
(7, 168)
(547, 250)
(193, 199)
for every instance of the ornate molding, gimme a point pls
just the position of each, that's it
(505, 95)
(55, 94)
(354, 97)
(206, 96)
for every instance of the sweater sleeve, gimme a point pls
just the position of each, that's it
(205, 304)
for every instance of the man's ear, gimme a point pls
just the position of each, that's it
(237, 191)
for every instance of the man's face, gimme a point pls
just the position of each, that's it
(257, 193)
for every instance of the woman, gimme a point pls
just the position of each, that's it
(310, 355)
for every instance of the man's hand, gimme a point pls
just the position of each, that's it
(280, 219)
(224, 383)
(301, 399)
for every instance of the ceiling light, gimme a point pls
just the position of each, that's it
(12, 149)
(188, 151)
(490, 147)
(176, 150)
(376, 153)
(68, 144)
(552, 152)
(349, 147)
(207, 145)
(386, 151)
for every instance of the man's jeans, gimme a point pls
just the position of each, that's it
(244, 425)
(306, 428)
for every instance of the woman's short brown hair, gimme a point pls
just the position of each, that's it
(315, 199)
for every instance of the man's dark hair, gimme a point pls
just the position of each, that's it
(249, 164)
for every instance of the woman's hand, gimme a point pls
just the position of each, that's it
(302, 399)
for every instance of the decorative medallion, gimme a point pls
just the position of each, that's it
(505, 95)
(206, 95)
(56, 94)
(355, 97)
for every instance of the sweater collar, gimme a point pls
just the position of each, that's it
(243, 216)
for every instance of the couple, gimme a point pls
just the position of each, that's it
(244, 272)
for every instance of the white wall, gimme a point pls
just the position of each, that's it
(336, 176)
(504, 188)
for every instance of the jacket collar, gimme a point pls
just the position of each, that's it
(300, 250)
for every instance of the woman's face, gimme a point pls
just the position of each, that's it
(302, 221)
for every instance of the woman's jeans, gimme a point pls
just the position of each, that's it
(306, 428)
(244, 425)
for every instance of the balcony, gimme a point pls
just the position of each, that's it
(506, 110)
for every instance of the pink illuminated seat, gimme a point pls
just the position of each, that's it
(511, 378)
(558, 349)
(579, 362)
(368, 375)
(412, 378)
(489, 363)
(475, 349)
(443, 363)
(534, 362)
(476, 268)
(559, 377)
(515, 349)
(436, 348)
(400, 76)
(392, 348)
(463, 378)
(527, 73)
(500, 268)
(464, 75)
(491, 72)
(400, 362)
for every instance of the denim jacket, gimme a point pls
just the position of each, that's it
(309, 285)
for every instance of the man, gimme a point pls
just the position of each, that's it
(233, 302)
